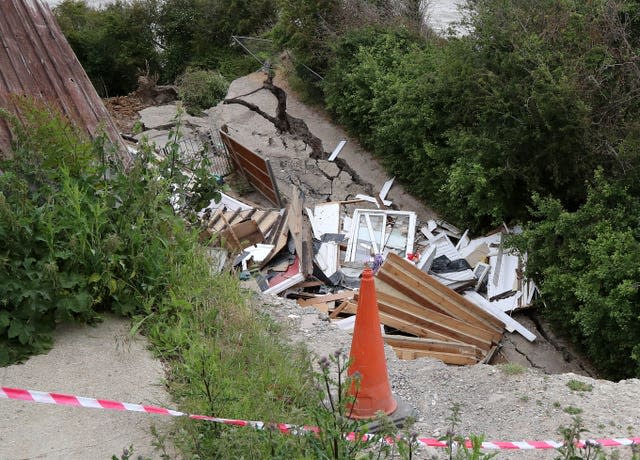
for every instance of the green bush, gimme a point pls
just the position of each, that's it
(78, 235)
(586, 264)
(201, 89)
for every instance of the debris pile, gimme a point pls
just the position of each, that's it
(440, 293)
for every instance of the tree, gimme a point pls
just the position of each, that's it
(115, 44)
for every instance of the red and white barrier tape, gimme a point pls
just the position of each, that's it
(80, 401)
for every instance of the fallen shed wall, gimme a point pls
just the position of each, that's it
(37, 61)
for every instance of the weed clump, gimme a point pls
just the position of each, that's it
(577, 385)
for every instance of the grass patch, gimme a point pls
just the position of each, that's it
(225, 360)
(577, 385)
(572, 410)
(512, 368)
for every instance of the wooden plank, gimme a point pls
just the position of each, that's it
(435, 321)
(279, 237)
(431, 289)
(447, 358)
(489, 356)
(417, 343)
(300, 232)
(350, 307)
(418, 290)
(328, 298)
(322, 306)
(267, 221)
(443, 330)
(215, 217)
(404, 325)
(234, 217)
(336, 311)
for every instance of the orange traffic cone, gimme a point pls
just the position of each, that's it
(373, 394)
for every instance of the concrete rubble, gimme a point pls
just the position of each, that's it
(326, 224)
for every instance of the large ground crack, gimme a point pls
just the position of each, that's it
(282, 121)
(526, 356)
(566, 353)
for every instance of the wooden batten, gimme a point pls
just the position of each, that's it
(301, 232)
(434, 321)
(407, 278)
(327, 298)
(414, 347)
(403, 324)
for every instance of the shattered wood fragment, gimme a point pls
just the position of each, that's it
(327, 298)
(278, 237)
(336, 311)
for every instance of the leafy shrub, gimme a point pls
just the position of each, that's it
(586, 265)
(78, 235)
(201, 89)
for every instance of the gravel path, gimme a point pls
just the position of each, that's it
(529, 405)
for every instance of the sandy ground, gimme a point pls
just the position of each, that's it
(97, 362)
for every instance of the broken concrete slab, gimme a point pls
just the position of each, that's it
(329, 168)
(314, 184)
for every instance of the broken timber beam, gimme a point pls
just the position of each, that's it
(410, 280)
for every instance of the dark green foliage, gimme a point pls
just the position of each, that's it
(201, 89)
(124, 40)
(587, 264)
(115, 44)
(198, 33)
(532, 100)
(72, 242)
(303, 29)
